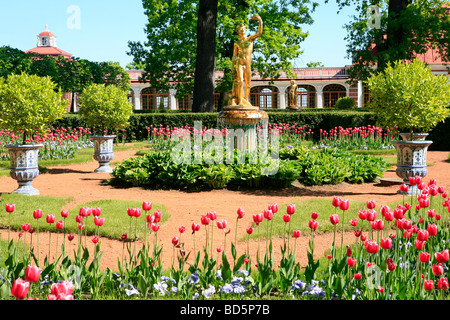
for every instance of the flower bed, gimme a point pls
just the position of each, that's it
(398, 254)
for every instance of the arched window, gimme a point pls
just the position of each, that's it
(185, 103)
(331, 93)
(306, 96)
(153, 99)
(264, 96)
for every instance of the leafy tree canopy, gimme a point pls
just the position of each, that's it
(170, 50)
(400, 30)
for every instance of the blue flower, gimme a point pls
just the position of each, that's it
(298, 285)
(239, 289)
(208, 292)
(244, 272)
(194, 278)
(227, 288)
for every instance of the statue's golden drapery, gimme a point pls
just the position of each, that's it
(241, 64)
(292, 94)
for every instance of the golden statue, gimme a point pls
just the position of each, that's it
(292, 95)
(241, 64)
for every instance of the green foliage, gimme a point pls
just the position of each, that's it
(345, 103)
(311, 167)
(407, 28)
(410, 96)
(29, 103)
(106, 107)
(170, 50)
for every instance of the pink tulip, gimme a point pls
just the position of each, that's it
(146, 206)
(334, 219)
(32, 274)
(240, 213)
(20, 288)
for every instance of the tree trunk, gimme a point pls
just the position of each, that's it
(205, 66)
(395, 33)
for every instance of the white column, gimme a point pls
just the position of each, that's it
(319, 97)
(137, 98)
(360, 94)
(172, 99)
(282, 97)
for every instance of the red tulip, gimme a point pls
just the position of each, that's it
(428, 285)
(124, 236)
(443, 283)
(96, 211)
(442, 257)
(334, 219)
(175, 241)
(357, 276)
(149, 218)
(130, 212)
(25, 226)
(249, 230)
(10, 207)
(419, 244)
(32, 274)
(349, 252)
(268, 214)
(85, 211)
(290, 209)
(258, 218)
(20, 288)
(421, 186)
(212, 215)
(296, 233)
(274, 208)
(50, 218)
(391, 266)
(371, 246)
(158, 215)
(351, 262)
(353, 222)
(424, 203)
(404, 188)
(438, 269)
(222, 224)
(344, 205)
(181, 229)
(146, 205)
(336, 201)
(37, 214)
(432, 229)
(422, 235)
(64, 287)
(370, 204)
(386, 243)
(155, 227)
(313, 224)
(205, 220)
(424, 256)
(286, 218)
(371, 215)
(99, 221)
(95, 239)
(195, 227)
(240, 213)
(60, 225)
(314, 215)
(64, 213)
(357, 233)
(362, 214)
(70, 237)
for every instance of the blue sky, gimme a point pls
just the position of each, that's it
(99, 30)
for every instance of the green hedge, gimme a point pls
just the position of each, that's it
(314, 119)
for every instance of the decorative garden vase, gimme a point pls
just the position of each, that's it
(411, 158)
(24, 166)
(103, 152)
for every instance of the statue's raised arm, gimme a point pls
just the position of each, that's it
(260, 27)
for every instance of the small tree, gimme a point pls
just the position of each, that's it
(344, 103)
(410, 96)
(105, 107)
(29, 104)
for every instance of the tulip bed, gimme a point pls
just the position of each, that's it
(398, 254)
(58, 143)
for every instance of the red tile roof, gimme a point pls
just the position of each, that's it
(52, 51)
